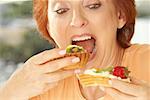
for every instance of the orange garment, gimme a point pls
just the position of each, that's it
(135, 57)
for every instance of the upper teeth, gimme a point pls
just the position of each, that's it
(81, 38)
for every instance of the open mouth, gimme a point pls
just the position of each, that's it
(88, 42)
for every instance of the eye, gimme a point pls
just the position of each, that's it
(61, 10)
(94, 6)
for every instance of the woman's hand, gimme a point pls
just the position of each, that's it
(37, 75)
(136, 90)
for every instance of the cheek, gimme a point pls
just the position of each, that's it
(57, 31)
(105, 26)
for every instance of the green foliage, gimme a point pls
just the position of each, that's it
(20, 9)
(32, 42)
(31, 45)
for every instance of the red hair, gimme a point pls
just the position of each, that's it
(128, 10)
(124, 35)
(40, 15)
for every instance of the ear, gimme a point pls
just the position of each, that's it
(121, 19)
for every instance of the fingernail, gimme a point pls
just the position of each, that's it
(77, 71)
(62, 52)
(110, 82)
(75, 60)
(102, 88)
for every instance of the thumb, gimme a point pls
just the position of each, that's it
(137, 81)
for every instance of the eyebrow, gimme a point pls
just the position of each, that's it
(87, 1)
(54, 2)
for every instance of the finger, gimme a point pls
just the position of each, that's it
(57, 76)
(117, 95)
(136, 81)
(58, 64)
(126, 87)
(48, 55)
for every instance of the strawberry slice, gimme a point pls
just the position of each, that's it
(121, 72)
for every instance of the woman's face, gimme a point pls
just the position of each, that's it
(88, 23)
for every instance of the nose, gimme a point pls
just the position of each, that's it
(78, 20)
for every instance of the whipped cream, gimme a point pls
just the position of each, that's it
(104, 74)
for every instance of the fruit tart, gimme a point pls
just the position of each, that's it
(78, 51)
(101, 76)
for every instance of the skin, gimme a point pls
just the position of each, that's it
(78, 20)
(39, 74)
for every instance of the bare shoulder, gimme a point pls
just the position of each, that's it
(137, 58)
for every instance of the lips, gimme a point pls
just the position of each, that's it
(87, 41)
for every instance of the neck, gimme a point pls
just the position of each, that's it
(110, 57)
(113, 58)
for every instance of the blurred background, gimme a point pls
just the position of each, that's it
(19, 38)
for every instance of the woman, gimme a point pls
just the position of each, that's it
(110, 26)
